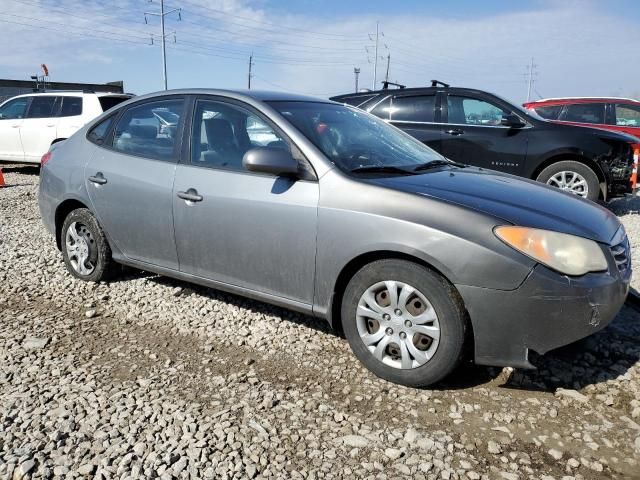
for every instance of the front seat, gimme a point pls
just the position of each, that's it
(223, 149)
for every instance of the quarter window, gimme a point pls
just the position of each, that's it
(413, 109)
(14, 109)
(222, 134)
(584, 113)
(98, 134)
(471, 111)
(43, 107)
(71, 107)
(627, 115)
(149, 130)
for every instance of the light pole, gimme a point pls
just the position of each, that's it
(356, 72)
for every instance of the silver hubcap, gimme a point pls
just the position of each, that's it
(398, 324)
(80, 247)
(570, 181)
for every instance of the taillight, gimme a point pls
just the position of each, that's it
(45, 158)
(634, 172)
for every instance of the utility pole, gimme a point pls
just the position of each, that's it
(163, 14)
(531, 67)
(375, 63)
(356, 72)
(386, 77)
(250, 65)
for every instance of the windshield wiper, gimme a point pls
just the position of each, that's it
(437, 163)
(381, 169)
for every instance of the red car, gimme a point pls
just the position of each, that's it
(618, 114)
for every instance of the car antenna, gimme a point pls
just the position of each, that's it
(435, 83)
(386, 83)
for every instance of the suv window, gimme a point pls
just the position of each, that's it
(14, 109)
(140, 132)
(383, 109)
(627, 115)
(43, 106)
(472, 111)
(549, 112)
(107, 102)
(71, 107)
(583, 113)
(98, 133)
(222, 133)
(413, 109)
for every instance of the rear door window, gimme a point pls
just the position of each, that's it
(418, 108)
(71, 107)
(110, 101)
(549, 112)
(627, 115)
(43, 106)
(584, 113)
(139, 131)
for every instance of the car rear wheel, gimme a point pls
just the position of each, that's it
(404, 322)
(574, 177)
(85, 249)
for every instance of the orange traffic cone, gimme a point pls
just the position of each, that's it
(2, 184)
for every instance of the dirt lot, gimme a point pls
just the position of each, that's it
(149, 377)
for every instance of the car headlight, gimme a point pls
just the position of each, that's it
(567, 254)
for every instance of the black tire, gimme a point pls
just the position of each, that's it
(99, 256)
(446, 303)
(593, 184)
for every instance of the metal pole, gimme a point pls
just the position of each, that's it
(386, 77)
(250, 64)
(164, 52)
(356, 71)
(375, 63)
(530, 80)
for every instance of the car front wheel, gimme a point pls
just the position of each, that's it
(85, 249)
(404, 322)
(574, 177)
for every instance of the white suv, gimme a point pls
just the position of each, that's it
(30, 123)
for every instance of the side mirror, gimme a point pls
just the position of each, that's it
(276, 161)
(511, 120)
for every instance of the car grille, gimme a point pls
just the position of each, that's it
(622, 254)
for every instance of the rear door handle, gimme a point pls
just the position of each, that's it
(454, 131)
(98, 179)
(190, 195)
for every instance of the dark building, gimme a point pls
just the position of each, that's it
(11, 88)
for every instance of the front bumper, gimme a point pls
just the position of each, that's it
(547, 311)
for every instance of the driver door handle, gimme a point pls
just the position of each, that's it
(454, 131)
(98, 179)
(190, 195)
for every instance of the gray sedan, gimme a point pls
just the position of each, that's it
(325, 209)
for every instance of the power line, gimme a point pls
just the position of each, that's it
(163, 35)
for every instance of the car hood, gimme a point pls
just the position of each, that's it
(512, 199)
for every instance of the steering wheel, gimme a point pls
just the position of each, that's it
(355, 154)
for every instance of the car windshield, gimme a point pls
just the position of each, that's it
(356, 141)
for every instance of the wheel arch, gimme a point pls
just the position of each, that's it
(355, 264)
(602, 179)
(64, 209)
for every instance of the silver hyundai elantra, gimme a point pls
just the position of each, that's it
(324, 209)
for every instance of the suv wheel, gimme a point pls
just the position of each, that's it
(404, 322)
(574, 177)
(85, 249)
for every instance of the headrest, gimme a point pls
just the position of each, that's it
(143, 131)
(218, 130)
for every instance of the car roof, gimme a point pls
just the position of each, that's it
(72, 93)
(581, 99)
(409, 91)
(259, 95)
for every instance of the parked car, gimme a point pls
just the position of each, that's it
(340, 216)
(609, 113)
(30, 123)
(482, 129)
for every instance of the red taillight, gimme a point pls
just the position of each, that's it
(45, 158)
(634, 174)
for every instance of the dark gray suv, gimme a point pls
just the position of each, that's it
(325, 209)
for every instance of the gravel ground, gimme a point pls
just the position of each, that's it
(148, 377)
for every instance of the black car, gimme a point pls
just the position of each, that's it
(478, 128)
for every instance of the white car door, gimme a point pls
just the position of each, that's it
(38, 129)
(11, 118)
